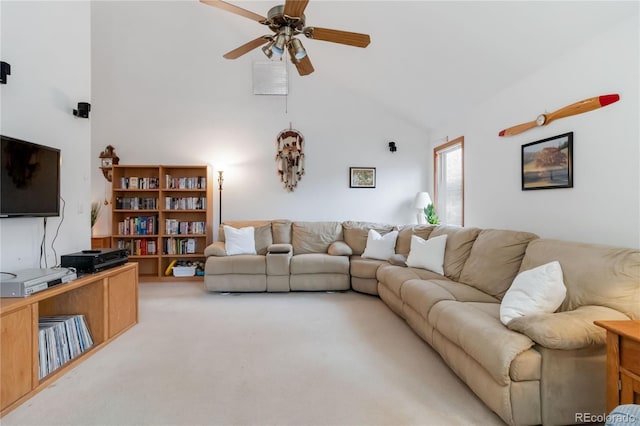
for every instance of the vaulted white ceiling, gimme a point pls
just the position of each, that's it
(429, 60)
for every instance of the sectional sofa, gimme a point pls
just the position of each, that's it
(540, 368)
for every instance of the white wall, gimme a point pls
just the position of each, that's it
(48, 47)
(604, 204)
(163, 95)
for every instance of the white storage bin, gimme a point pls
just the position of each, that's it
(184, 271)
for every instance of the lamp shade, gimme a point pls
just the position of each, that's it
(422, 200)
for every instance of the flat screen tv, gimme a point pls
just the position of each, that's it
(29, 179)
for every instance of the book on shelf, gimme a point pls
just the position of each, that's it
(176, 227)
(139, 183)
(198, 182)
(136, 203)
(140, 225)
(185, 203)
(61, 338)
(180, 246)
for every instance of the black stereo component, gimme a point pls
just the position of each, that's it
(90, 261)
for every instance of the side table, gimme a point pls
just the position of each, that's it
(623, 362)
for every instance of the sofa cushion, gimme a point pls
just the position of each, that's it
(339, 248)
(567, 330)
(465, 293)
(215, 249)
(317, 263)
(242, 264)
(364, 268)
(281, 231)
(495, 260)
(459, 243)
(262, 233)
(239, 241)
(393, 277)
(356, 233)
(427, 254)
(422, 295)
(403, 244)
(594, 274)
(479, 332)
(535, 291)
(380, 247)
(314, 237)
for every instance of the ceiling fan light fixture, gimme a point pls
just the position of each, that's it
(267, 49)
(298, 49)
(282, 39)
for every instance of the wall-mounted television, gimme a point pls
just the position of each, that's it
(29, 179)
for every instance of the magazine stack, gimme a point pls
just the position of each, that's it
(61, 338)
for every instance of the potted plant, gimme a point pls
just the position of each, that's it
(95, 212)
(431, 215)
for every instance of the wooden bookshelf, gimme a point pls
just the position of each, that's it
(109, 302)
(147, 197)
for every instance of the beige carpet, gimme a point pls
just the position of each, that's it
(199, 358)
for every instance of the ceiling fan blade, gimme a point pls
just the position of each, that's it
(245, 48)
(295, 8)
(518, 129)
(582, 107)
(337, 36)
(234, 9)
(304, 66)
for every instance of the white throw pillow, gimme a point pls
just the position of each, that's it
(239, 241)
(380, 247)
(427, 254)
(538, 290)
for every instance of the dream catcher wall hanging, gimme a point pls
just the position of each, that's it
(290, 157)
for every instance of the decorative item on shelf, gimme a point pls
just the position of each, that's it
(5, 70)
(392, 147)
(108, 159)
(290, 157)
(83, 110)
(421, 204)
(362, 177)
(573, 109)
(220, 181)
(96, 207)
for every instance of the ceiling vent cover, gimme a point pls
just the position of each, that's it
(270, 78)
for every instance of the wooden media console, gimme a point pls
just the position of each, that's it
(109, 303)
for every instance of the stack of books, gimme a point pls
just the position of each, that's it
(61, 338)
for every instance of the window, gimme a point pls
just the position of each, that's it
(448, 168)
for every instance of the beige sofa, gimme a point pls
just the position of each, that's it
(543, 368)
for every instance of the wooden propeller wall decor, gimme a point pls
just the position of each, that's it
(573, 109)
(286, 22)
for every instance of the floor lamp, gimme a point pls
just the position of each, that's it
(220, 180)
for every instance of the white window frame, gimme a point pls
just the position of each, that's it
(440, 191)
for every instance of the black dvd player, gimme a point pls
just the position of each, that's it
(90, 261)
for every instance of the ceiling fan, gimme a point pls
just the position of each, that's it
(287, 21)
(573, 109)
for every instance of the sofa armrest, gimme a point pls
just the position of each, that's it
(215, 249)
(567, 330)
(280, 248)
(340, 248)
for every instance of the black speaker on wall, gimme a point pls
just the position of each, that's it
(83, 110)
(5, 70)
